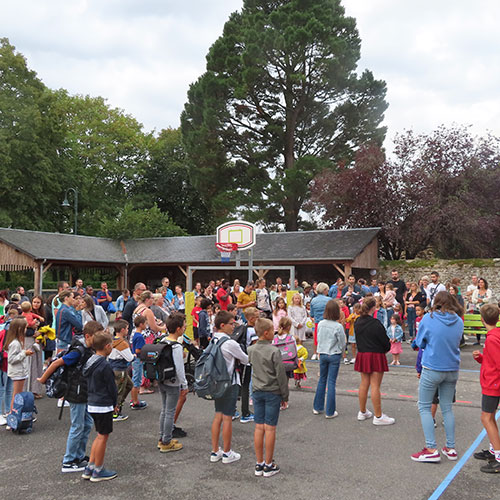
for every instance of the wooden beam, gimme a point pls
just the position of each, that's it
(339, 269)
(183, 271)
(47, 267)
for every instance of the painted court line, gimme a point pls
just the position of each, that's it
(451, 475)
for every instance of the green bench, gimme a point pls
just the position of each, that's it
(474, 326)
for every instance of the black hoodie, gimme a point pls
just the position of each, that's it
(101, 384)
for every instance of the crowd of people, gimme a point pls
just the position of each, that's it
(260, 331)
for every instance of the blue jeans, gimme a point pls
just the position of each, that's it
(81, 425)
(328, 370)
(445, 383)
(169, 398)
(6, 387)
(411, 317)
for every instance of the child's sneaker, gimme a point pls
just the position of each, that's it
(492, 467)
(427, 456)
(346, 361)
(259, 469)
(383, 420)
(230, 457)
(102, 475)
(451, 453)
(236, 415)
(271, 470)
(87, 473)
(215, 456)
(118, 417)
(484, 455)
(248, 418)
(139, 405)
(353, 360)
(174, 445)
(160, 442)
(72, 467)
(365, 416)
(178, 432)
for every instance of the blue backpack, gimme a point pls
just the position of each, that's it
(211, 379)
(20, 419)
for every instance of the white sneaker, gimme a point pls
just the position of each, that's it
(383, 420)
(346, 361)
(335, 414)
(3, 420)
(365, 416)
(316, 412)
(216, 456)
(230, 456)
(60, 403)
(353, 360)
(314, 356)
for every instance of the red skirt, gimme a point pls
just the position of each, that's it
(369, 362)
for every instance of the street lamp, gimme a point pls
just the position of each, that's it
(66, 204)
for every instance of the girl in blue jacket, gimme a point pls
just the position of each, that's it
(395, 334)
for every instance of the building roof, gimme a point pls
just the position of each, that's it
(323, 245)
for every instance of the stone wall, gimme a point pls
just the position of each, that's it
(413, 270)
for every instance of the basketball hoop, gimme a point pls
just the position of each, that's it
(225, 250)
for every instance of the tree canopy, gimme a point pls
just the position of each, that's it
(280, 101)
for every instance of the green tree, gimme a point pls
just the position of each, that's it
(279, 102)
(133, 223)
(165, 182)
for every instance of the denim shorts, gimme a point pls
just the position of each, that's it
(227, 403)
(266, 407)
(137, 372)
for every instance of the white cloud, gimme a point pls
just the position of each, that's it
(438, 58)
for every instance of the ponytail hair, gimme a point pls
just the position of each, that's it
(368, 304)
(285, 325)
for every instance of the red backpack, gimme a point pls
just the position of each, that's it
(3, 354)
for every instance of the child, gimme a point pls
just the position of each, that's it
(204, 329)
(395, 334)
(31, 317)
(102, 396)
(74, 360)
(270, 386)
(138, 342)
(18, 367)
(309, 322)
(356, 310)
(224, 406)
(119, 359)
(490, 387)
(196, 319)
(420, 312)
(389, 301)
(279, 312)
(283, 333)
(299, 374)
(170, 389)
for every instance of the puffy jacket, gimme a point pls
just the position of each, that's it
(67, 319)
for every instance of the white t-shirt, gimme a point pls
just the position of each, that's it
(232, 351)
(433, 289)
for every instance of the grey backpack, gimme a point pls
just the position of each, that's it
(211, 378)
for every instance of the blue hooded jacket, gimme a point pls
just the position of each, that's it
(439, 334)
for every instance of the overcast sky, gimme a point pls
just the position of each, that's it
(440, 59)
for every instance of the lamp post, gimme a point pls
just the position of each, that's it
(66, 203)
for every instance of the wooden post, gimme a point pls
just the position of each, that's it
(347, 269)
(38, 280)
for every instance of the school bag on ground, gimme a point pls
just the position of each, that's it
(158, 361)
(211, 378)
(288, 350)
(20, 419)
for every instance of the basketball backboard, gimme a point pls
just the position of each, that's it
(237, 231)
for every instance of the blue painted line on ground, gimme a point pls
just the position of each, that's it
(451, 475)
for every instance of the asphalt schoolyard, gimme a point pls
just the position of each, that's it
(319, 458)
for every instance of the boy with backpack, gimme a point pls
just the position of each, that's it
(225, 405)
(119, 359)
(138, 343)
(102, 395)
(490, 387)
(270, 389)
(79, 352)
(204, 330)
(170, 387)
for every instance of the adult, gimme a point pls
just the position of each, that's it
(167, 306)
(364, 287)
(439, 335)
(454, 290)
(246, 298)
(413, 299)
(197, 290)
(160, 313)
(381, 289)
(56, 302)
(371, 362)
(308, 293)
(89, 290)
(78, 288)
(434, 287)
(236, 288)
(130, 306)
(298, 314)
(481, 295)
(144, 303)
(423, 284)
(279, 283)
(169, 294)
(103, 296)
(3, 302)
(67, 320)
(331, 345)
(120, 302)
(336, 289)
(318, 305)
(24, 298)
(470, 291)
(179, 300)
(263, 298)
(38, 306)
(224, 295)
(373, 288)
(399, 287)
(93, 312)
(209, 293)
(352, 291)
(297, 287)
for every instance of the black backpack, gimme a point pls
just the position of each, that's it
(240, 336)
(158, 361)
